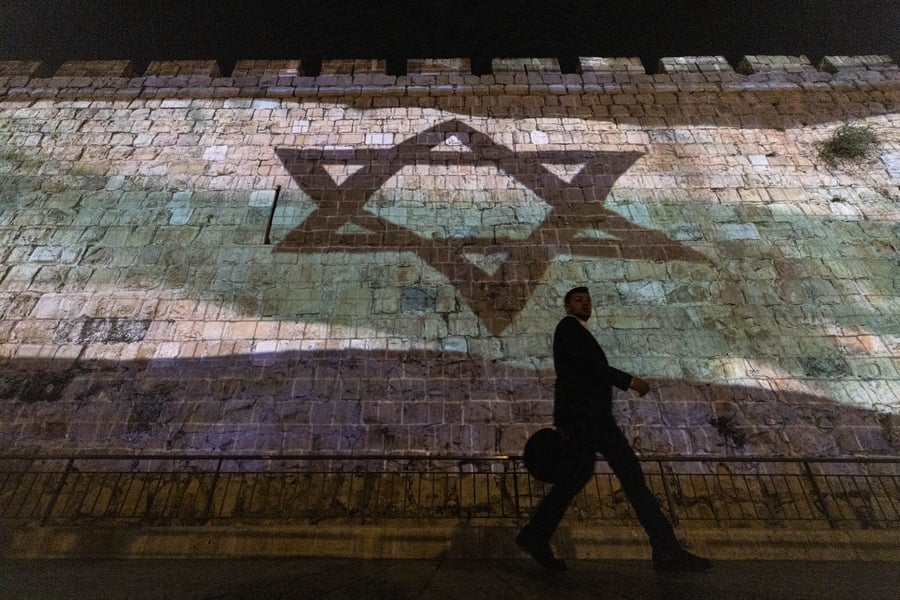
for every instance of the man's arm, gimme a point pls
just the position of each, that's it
(639, 385)
(581, 362)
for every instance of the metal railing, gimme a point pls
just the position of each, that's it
(266, 489)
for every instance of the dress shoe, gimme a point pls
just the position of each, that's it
(540, 552)
(679, 559)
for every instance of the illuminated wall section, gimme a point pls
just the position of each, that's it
(362, 263)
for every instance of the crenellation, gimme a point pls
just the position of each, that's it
(96, 69)
(267, 69)
(751, 64)
(437, 67)
(286, 77)
(693, 64)
(183, 69)
(21, 68)
(173, 76)
(525, 66)
(354, 67)
(596, 64)
(835, 64)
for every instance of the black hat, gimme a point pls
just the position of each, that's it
(543, 454)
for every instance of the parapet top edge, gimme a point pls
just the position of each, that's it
(27, 70)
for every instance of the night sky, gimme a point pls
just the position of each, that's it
(59, 30)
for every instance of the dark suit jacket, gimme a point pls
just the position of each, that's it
(584, 378)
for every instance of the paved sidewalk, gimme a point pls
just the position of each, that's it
(432, 541)
(439, 579)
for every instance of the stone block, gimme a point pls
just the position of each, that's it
(267, 69)
(182, 68)
(694, 64)
(262, 198)
(752, 64)
(96, 69)
(537, 66)
(22, 69)
(354, 67)
(438, 66)
(597, 64)
(836, 64)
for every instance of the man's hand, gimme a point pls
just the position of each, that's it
(639, 385)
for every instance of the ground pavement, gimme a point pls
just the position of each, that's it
(438, 579)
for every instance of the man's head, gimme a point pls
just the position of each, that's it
(578, 303)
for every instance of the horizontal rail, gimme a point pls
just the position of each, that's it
(439, 457)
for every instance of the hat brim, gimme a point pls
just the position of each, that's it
(543, 455)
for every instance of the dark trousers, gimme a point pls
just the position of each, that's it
(586, 437)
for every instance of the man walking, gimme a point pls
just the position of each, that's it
(582, 413)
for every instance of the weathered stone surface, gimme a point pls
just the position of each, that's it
(424, 235)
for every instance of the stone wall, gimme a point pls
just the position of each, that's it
(266, 261)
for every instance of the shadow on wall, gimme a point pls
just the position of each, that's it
(354, 401)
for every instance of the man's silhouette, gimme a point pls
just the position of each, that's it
(582, 413)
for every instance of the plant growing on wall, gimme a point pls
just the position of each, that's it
(850, 143)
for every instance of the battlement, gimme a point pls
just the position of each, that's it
(435, 76)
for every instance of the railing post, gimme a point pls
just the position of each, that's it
(515, 474)
(365, 493)
(459, 490)
(207, 512)
(56, 494)
(820, 497)
(669, 504)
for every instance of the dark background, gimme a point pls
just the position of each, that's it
(59, 30)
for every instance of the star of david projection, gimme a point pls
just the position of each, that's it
(495, 275)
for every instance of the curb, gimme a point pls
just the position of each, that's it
(431, 542)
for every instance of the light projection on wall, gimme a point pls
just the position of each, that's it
(419, 258)
(493, 244)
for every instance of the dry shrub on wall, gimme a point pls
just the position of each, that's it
(850, 143)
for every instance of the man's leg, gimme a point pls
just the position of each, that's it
(614, 446)
(667, 552)
(551, 509)
(534, 538)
